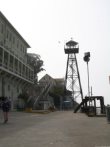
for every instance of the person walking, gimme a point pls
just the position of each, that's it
(6, 105)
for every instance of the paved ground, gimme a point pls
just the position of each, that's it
(56, 129)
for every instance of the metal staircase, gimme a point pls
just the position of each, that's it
(42, 95)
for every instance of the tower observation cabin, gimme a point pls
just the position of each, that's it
(71, 47)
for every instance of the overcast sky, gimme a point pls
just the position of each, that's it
(47, 24)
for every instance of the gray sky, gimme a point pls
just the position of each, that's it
(48, 24)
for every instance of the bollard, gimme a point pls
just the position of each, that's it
(108, 113)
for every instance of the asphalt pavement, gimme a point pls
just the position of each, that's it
(55, 129)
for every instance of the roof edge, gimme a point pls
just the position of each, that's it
(2, 15)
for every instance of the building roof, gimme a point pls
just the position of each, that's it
(46, 75)
(59, 79)
(6, 20)
(71, 43)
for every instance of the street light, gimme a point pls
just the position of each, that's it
(87, 59)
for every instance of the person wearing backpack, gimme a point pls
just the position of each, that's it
(6, 105)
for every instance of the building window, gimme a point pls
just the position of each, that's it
(13, 39)
(2, 29)
(18, 89)
(10, 37)
(8, 87)
(17, 43)
(21, 46)
(7, 34)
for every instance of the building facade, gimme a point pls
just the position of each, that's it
(16, 74)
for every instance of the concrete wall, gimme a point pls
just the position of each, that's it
(11, 89)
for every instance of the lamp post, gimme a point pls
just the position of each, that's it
(87, 59)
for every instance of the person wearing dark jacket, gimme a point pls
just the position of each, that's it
(6, 105)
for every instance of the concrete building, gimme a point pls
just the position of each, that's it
(16, 74)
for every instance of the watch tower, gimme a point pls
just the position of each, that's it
(72, 78)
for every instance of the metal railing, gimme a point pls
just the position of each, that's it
(12, 68)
